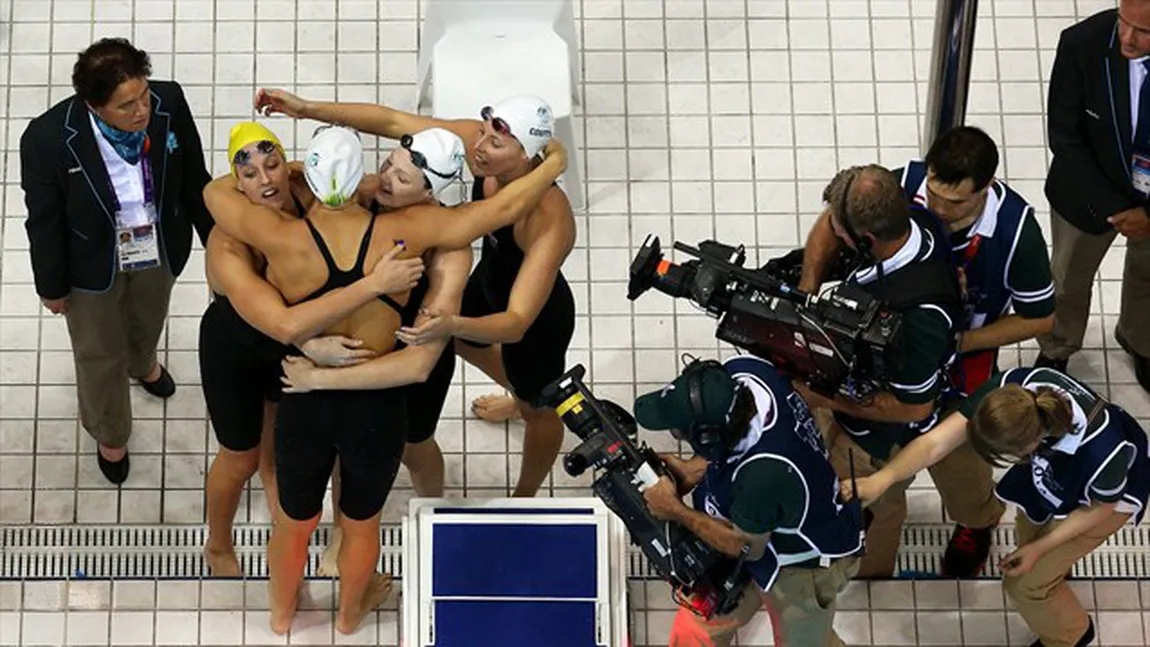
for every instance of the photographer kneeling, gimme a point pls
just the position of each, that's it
(763, 483)
(905, 262)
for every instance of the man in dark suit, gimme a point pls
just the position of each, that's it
(112, 179)
(1099, 180)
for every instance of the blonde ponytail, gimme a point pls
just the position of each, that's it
(1054, 411)
(1010, 421)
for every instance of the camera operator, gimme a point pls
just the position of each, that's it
(1003, 265)
(906, 263)
(752, 434)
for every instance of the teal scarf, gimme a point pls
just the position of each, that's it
(129, 146)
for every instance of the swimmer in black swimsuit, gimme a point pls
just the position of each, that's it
(428, 368)
(518, 311)
(239, 364)
(367, 433)
(425, 371)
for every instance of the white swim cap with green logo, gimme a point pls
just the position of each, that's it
(333, 166)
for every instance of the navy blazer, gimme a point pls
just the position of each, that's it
(1089, 126)
(71, 220)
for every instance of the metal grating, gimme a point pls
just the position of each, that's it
(149, 552)
(176, 552)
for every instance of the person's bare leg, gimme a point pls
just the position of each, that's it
(287, 556)
(229, 472)
(492, 407)
(542, 439)
(361, 588)
(329, 561)
(424, 461)
(268, 460)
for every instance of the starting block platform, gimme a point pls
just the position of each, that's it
(514, 572)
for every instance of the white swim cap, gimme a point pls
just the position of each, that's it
(526, 118)
(438, 153)
(334, 165)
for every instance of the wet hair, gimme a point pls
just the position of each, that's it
(1010, 420)
(106, 64)
(875, 202)
(963, 153)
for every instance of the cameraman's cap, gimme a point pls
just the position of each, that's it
(333, 166)
(526, 118)
(670, 408)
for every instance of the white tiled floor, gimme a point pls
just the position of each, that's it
(719, 118)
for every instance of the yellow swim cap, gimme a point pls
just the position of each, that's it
(250, 132)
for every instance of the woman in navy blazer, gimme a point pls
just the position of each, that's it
(112, 179)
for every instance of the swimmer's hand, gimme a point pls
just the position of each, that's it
(391, 274)
(336, 350)
(299, 375)
(434, 327)
(274, 101)
(555, 148)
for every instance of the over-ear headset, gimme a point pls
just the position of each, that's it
(703, 432)
(862, 243)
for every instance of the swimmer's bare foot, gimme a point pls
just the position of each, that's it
(280, 619)
(329, 561)
(378, 589)
(496, 408)
(222, 563)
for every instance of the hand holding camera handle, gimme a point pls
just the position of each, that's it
(646, 476)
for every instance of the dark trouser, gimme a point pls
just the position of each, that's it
(114, 336)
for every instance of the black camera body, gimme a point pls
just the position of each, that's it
(845, 342)
(706, 581)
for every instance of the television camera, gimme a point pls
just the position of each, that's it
(844, 342)
(704, 580)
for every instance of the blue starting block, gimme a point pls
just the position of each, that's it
(514, 572)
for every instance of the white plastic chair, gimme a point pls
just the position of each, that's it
(477, 53)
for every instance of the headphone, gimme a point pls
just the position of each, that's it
(862, 243)
(703, 432)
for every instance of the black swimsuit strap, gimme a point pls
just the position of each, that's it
(332, 268)
(364, 245)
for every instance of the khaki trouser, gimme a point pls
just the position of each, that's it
(1042, 596)
(801, 604)
(964, 481)
(114, 336)
(1077, 256)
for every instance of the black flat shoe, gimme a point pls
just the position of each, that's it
(1141, 364)
(116, 472)
(165, 387)
(1085, 640)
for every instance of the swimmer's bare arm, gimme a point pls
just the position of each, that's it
(447, 271)
(263, 307)
(367, 117)
(545, 254)
(261, 227)
(433, 226)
